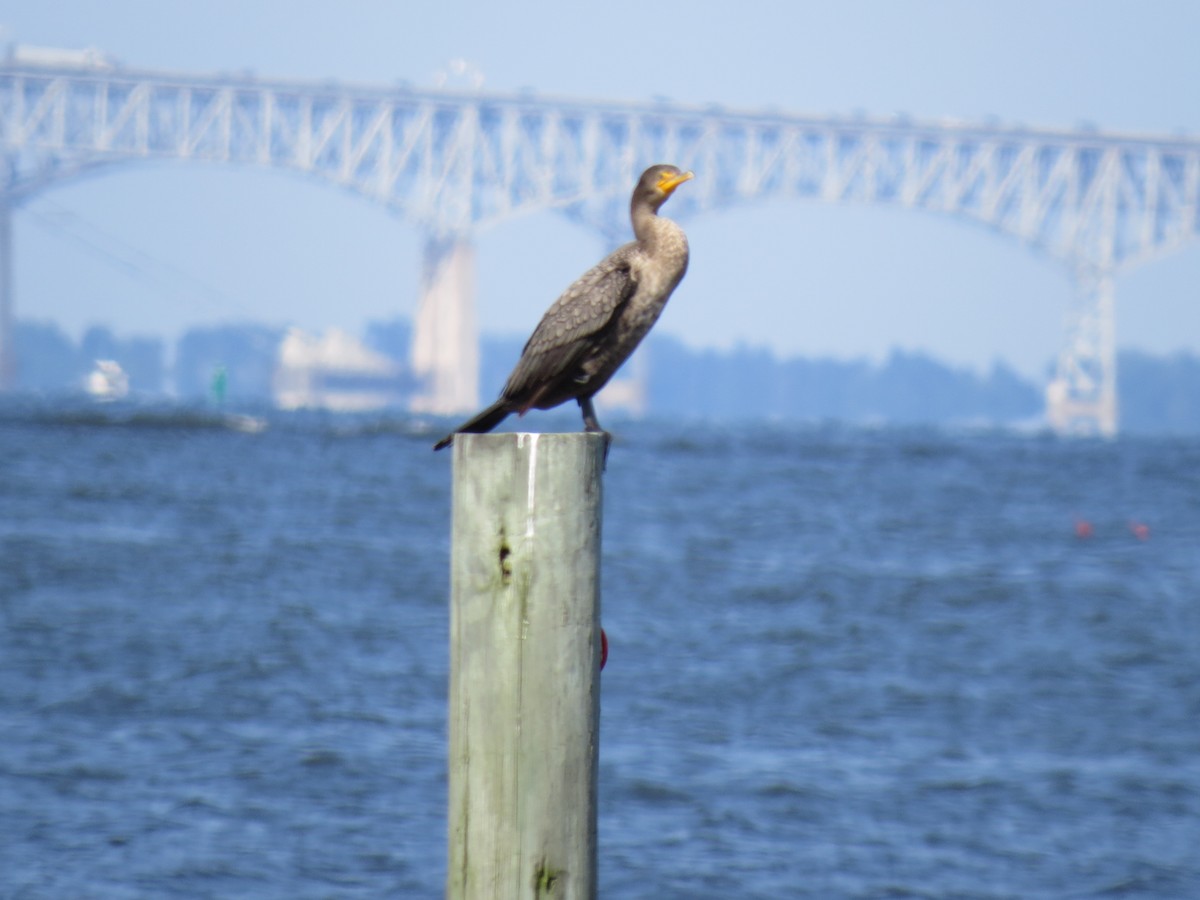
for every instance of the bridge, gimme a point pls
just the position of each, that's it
(454, 162)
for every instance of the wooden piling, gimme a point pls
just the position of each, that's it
(524, 666)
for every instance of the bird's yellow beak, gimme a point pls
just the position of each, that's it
(668, 183)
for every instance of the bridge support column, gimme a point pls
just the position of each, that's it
(445, 348)
(1082, 397)
(8, 355)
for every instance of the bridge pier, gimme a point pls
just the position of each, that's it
(445, 348)
(8, 355)
(1082, 396)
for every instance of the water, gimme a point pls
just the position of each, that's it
(845, 663)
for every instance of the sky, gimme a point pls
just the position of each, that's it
(155, 249)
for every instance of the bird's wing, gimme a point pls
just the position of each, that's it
(584, 310)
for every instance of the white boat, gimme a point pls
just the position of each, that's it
(107, 381)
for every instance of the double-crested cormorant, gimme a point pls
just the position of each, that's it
(599, 320)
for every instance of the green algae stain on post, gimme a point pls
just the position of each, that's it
(546, 882)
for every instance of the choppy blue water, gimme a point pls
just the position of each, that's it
(845, 663)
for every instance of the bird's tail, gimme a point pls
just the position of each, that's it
(479, 423)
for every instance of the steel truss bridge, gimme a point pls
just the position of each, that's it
(455, 162)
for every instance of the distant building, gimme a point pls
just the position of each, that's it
(336, 372)
(627, 392)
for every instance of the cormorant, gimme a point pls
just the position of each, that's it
(599, 320)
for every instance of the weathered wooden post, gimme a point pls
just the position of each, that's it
(524, 666)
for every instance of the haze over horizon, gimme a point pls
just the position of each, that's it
(158, 248)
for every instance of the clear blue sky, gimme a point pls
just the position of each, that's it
(215, 244)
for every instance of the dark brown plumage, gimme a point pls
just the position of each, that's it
(599, 320)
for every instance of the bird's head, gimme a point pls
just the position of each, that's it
(658, 183)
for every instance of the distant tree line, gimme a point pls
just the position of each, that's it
(1159, 394)
(749, 382)
(1156, 394)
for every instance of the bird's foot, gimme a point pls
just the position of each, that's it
(594, 428)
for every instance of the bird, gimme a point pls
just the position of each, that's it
(596, 324)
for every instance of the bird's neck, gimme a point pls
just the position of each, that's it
(648, 226)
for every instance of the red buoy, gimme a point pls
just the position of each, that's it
(1083, 529)
(603, 648)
